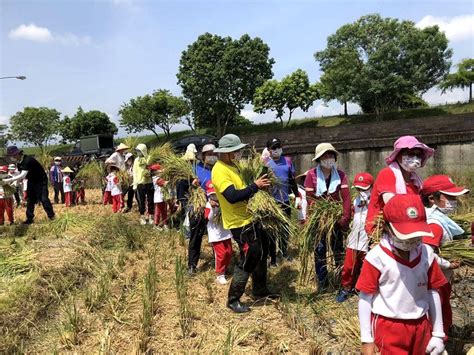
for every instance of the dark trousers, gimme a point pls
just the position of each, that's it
(17, 196)
(38, 193)
(145, 196)
(282, 239)
(253, 251)
(337, 248)
(197, 226)
(58, 190)
(130, 197)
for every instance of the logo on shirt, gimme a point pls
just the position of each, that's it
(412, 212)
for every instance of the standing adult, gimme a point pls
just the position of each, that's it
(37, 190)
(118, 157)
(197, 220)
(285, 172)
(233, 196)
(398, 177)
(56, 179)
(129, 192)
(328, 182)
(143, 185)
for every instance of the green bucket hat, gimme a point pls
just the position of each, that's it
(229, 143)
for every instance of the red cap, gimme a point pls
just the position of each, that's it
(210, 188)
(443, 184)
(407, 217)
(154, 167)
(363, 181)
(3, 169)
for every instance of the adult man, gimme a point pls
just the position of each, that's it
(118, 158)
(233, 198)
(37, 190)
(285, 172)
(130, 192)
(197, 221)
(56, 179)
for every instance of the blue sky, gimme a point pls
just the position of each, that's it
(99, 54)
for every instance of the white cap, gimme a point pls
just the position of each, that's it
(208, 148)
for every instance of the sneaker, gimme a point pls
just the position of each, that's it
(165, 227)
(158, 228)
(221, 280)
(343, 295)
(151, 220)
(142, 220)
(192, 271)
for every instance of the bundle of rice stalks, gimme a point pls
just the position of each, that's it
(176, 168)
(9, 190)
(68, 221)
(45, 159)
(131, 141)
(464, 220)
(13, 264)
(377, 234)
(322, 217)
(197, 199)
(93, 174)
(158, 153)
(252, 168)
(459, 250)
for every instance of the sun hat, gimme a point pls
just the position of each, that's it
(3, 169)
(273, 143)
(409, 142)
(13, 150)
(122, 146)
(210, 188)
(191, 148)
(208, 148)
(407, 217)
(128, 156)
(363, 181)
(154, 167)
(443, 184)
(323, 148)
(67, 170)
(229, 143)
(58, 159)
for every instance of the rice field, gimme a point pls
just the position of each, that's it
(94, 282)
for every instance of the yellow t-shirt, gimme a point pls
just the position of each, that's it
(234, 215)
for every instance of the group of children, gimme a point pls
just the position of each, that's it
(74, 189)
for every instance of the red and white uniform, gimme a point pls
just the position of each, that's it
(400, 300)
(107, 190)
(67, 187)
(161, 212)
(115, 192)
(302, 204)
(219, 238)
(6, 205)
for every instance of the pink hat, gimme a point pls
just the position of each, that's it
(409, 142)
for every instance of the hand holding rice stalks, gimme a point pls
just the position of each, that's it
(197, 199)
(322, 219)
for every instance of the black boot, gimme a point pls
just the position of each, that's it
(238, 307)
(237, 289)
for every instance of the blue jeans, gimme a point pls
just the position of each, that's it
(320, 255)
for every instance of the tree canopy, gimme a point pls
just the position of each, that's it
(160, 110)
(219, 75)
(463, 78)
(292, 92)
(35, 125)
(376, 62)
(86, 124)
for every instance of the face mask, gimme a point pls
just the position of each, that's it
(237, 156)
(450, 207)
(211, 159)
(405, 245)
(364, 195)
(410, 163)
(57, 163)
(277, 153)
(328, 163)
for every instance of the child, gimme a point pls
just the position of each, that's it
(12, 172)
(6, 199)
(161, 213)
(219, 238)
(115, 189)
(357, 241)
(79, 185)
(439, 195)
(398, 285)
(67, 186)
(107, 190)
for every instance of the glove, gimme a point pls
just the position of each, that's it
(435, 346)
(135, 187)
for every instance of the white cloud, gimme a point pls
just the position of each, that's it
(249, 114)
(4, 120)
(456, 28)
(31, 32)
(435, 97)
(35, 33)
(323, 110)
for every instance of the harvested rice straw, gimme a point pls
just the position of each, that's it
(9, 190)
(158, 153)
(197, 199)
(93, 174)
(45, 159)
(322, 217)
(377, 234)
(464, 220)
(459, 250)
(132, 141)
(176, 168)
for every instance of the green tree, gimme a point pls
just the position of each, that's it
(376, 62)
(35, 125)
(160, 110)
(463, 78)
(292, 92)
(219, 75)
(3, 136)
(86, 124)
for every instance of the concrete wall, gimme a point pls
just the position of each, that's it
(364, 146)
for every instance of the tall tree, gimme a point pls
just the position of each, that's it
(376, 62)
(35, 125)
(86, 124)
(463, 78)
(160, 110)
(219, 75)
(3, 136)
(292, 92)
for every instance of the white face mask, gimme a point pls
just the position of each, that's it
(276, 153)
(405, 245)
(57, 163)
(450, 207)
(211, 159)
(328, 163)
(365, 195)
(410, 163)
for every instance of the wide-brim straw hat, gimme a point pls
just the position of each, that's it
(67, 170)
(229, 143)
(323, 148)
(122, 146)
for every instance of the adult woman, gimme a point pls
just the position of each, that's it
(143, 185)
(399, 177)
(325, 181)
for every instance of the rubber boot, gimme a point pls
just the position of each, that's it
(237, 286)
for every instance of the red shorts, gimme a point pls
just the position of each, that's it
(401, 336)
